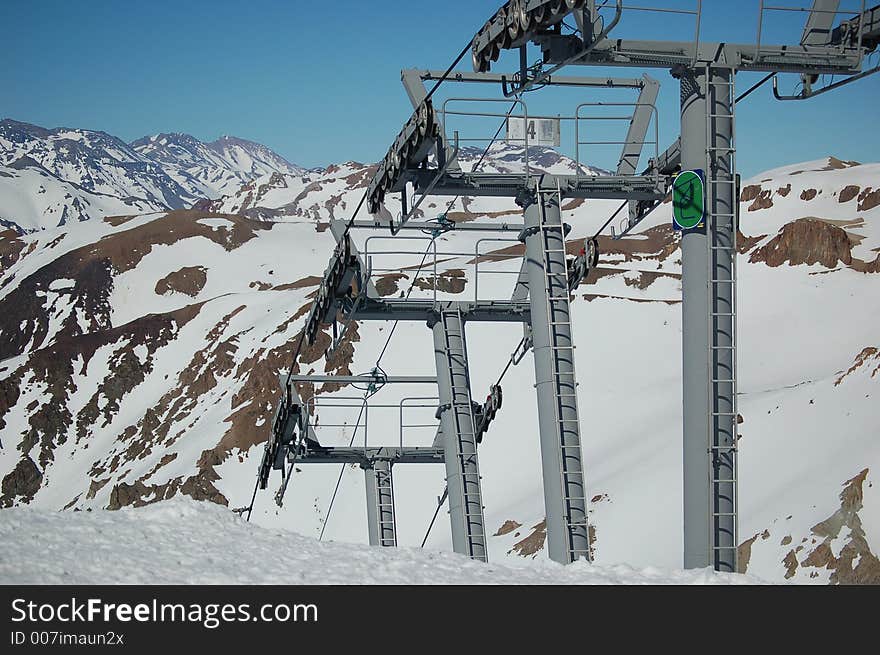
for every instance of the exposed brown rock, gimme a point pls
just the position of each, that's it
(11, 246)
(784, 190)
(749, 193)
(647, 278)
(744, 554)
(808, 194)
(868, 199)
(387, 284)
(189, 280)
(508, 526)
(22, 483)
(791, 564)
(763, 201)
(302, 283)
(836, 164)
(116, 221)
(806, 241)
(867, 570)
(867, 353)
(848, 193)
(744, 244)
(529, 546)
(450, 281)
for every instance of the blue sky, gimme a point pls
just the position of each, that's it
(320, 81)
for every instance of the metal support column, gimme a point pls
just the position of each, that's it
(709, 324)
(380, 504)
(460, 443)
(564, 490)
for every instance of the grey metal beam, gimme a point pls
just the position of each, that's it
(417, 93)
(638, 127)
(459, 432)
(554, 80)
(770, 57)
(817, 31)
(381, 525)
(455, 227)
(708, 328)
(348, 379)
(555, 383)
(418, 310)
(353, 455)
(609, 187)
(338, 230)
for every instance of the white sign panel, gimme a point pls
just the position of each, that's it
(540, 131)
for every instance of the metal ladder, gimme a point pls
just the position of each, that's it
(568, 429)
(385, 506)
(722, 229)
(468, 466)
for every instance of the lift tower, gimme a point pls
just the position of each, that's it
(706, 72)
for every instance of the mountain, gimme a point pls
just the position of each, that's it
(139, 361)
(53, 177)
(84, 164)
(214, 169)
(323, 194)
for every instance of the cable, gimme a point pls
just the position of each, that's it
(342, 470)
(616, 212)
(436, 512)
(348, 225)
(755, 86)
(370, 392)
(485, 151)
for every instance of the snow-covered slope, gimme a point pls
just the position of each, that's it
(139, 360)
(214, 169)
(186, 542)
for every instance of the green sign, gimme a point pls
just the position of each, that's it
(687, 200)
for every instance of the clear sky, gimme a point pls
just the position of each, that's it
(319, 81)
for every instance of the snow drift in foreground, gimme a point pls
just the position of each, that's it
(184, 541)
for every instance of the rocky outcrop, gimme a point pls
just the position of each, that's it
(806, 241)
(854, 563)
(189, 280)
(848, 193)
(21, 483)
(868, 199)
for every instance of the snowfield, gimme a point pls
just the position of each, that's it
(182, 541)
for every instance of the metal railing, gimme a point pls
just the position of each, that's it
(576, 118)
(445, 112)
(494, 257)
(697, 12)
(628, 118)
(435, 257)
(417, 426)
(810, 11)
(339, 402)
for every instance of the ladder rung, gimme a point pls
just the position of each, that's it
(724, 481)
(723, 514)
(723, 380)
(718, 281)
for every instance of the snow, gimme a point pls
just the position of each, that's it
(181, 541)
(803, 436)
(216, 222)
